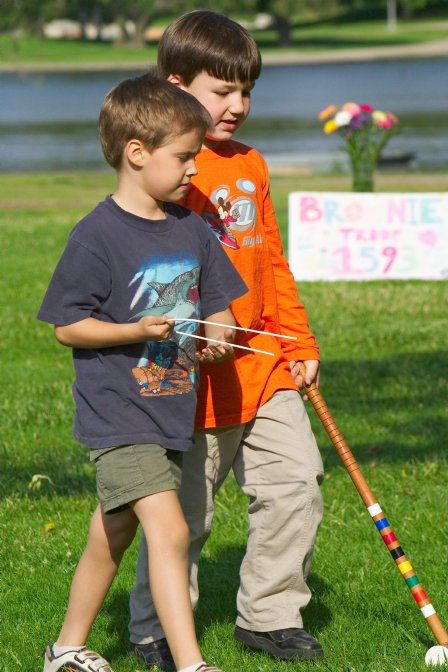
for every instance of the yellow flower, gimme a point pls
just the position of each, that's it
(330, 126)
(378, 115)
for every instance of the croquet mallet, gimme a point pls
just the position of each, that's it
(436, 655)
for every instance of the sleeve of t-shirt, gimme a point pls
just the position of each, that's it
(220, 282)
(292, 314)
(78, 287)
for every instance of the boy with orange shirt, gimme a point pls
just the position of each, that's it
(250, 416)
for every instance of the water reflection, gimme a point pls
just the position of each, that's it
(49, 121)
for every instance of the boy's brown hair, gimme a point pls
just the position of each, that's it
(150, 109)
(203, 40)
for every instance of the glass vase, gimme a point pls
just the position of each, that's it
(363, 174)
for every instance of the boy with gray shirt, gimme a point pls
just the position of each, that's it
(134, 272)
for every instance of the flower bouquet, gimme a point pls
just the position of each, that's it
(365, 131)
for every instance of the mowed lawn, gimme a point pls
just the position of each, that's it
(384, 376)
(307, 37)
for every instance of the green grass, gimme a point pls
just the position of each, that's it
(307, 37)
(384, 378)
(14, 49)
(341, 34)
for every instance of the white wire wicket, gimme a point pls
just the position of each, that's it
(233, 345)
(218, 324)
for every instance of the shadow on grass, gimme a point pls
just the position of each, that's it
(117, 609)
(391, 410)
(64, 472)
(219, 580)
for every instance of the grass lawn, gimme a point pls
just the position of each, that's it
(384, 378)
(357, 34)
(307, 37)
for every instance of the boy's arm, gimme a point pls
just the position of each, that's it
(214, 352)
(91, 333)
(293, 319)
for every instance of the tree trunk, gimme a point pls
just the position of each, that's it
(406, 10)
(142, 21)
(392, 15)
(284, 31)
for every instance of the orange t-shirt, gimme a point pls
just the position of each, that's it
(231, 192)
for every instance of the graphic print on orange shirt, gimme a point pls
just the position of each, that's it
(235, 214)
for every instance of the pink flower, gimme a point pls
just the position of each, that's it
(364, 130)
(353, 108)
(392, 118)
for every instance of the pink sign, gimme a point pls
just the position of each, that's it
(351, 236)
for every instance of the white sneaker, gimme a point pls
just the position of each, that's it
(75, 661)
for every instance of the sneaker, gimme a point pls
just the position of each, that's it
(75, 661)
(154, 654)
(286, 644)
(207, 668)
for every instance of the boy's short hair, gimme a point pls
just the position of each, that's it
(203, 40)
(150, 109)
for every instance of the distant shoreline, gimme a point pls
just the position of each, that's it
(436, 49)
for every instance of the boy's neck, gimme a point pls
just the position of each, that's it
(137, 202)
(214, 144)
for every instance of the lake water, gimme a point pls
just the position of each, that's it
(48, 120)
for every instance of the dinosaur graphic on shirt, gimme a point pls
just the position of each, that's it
(168, 367)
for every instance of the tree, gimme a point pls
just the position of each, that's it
(140, 12)
(28, 14)
(143, 13)
(392, 15)
(286, 12)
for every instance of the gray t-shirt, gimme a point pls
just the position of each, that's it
(117, 267)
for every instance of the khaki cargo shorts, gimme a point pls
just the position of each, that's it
(127, 473)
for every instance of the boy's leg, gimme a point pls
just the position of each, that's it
(166, 532)
(279, 467)
(109, 537)
(203, 471)
(202, 476)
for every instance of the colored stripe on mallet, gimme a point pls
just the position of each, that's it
(436, 655)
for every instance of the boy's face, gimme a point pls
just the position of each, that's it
(168, 169)
(228, 104)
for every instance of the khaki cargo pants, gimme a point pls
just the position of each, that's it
(277, 464)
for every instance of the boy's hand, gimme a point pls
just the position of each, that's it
(311, 376)
(91, 333)
(155, 328)
(217, 353)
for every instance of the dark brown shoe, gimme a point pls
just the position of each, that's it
(287, 644)
(155, 654)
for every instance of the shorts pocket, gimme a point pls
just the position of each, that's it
(117, 471)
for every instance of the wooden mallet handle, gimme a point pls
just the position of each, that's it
(382, 524)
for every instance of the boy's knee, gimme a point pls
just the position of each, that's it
(114, 532)
(122, 539)
(181, 537)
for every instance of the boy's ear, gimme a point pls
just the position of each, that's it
(134, 151)
(175, 79)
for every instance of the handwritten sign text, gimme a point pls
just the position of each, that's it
(350, 236)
